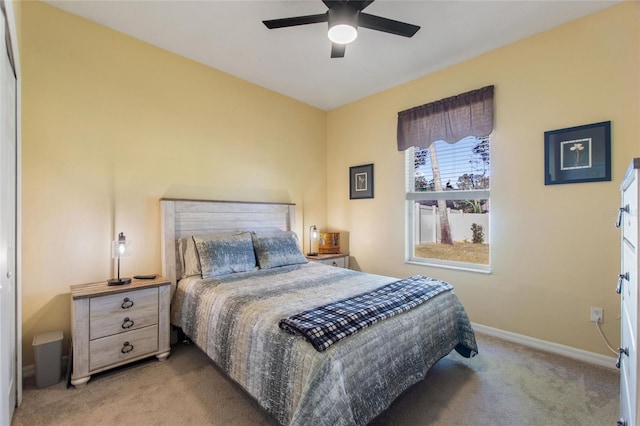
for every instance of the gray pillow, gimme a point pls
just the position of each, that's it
(277, 249)
(225, 253)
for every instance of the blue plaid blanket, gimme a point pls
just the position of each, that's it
(327, 324)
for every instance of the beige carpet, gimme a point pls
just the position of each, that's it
(506, 384)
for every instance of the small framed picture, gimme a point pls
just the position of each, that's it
(361, 181)
(578, 154)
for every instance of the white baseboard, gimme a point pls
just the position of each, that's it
(28, 371)
(543, 345)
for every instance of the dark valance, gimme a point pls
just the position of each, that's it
(450, 119)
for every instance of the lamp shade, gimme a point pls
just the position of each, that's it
(343, 24)
(120, 248)
(314, 235)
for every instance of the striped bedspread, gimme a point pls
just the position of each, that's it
(325, 325)
(234, 319)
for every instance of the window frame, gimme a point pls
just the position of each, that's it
(411, 196)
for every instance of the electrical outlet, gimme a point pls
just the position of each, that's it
(597, 315)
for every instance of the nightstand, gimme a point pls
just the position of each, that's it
(341, 260)
(116, 325)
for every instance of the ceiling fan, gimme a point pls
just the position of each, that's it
(344, 17)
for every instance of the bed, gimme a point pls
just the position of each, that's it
(234, 315)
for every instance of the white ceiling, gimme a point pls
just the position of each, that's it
(229, 36)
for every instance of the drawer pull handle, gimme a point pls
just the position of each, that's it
(621, 210)
(621, 278)
(126, 348)
(126, 303)
(620, 352)
(127, 323)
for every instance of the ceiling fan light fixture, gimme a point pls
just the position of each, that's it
(342, 33)
(343, 24)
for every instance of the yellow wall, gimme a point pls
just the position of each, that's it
(111, 125)
(555, 250)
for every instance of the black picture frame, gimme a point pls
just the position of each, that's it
(578, 154)
(361, 182)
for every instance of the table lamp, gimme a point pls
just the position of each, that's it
(313, 236)
(120, 248)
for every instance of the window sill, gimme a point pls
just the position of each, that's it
(458, 266)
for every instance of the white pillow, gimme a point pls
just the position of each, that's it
(189, 262)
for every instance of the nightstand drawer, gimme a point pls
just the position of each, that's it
(338, 261)
(122, 312)
(121, 347)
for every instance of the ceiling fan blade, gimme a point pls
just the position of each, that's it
(387, 25)
(296, 20)
(355, 4)
(337, 50)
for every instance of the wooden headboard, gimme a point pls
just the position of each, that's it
(184, 218)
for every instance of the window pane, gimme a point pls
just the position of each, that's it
(464, 223)
(464, 165)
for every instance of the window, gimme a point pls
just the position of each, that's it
(448, 169)
(447, 196)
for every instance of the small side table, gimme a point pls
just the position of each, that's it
(116, 325)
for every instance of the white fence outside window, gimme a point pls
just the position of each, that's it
(427, 226)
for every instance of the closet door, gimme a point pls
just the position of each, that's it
(8, 156)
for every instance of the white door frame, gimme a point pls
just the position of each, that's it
(12, 27)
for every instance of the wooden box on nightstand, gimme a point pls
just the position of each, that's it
(115, 325)
(329, 243)
(341, 260)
